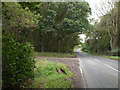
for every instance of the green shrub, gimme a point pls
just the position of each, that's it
(115, 51)
(17, 62)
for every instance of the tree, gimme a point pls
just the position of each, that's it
(97, 40)
(110, 23)
(16, 20)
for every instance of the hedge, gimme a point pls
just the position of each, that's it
(17, 62)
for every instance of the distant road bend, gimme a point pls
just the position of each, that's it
(98, 72)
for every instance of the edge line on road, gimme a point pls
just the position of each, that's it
(94, 59)
(112, 68)
(82, 74)
(106, 65)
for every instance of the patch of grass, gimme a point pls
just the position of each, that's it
(117, 58)
(112, 57)
(46, 75)
(53, 54)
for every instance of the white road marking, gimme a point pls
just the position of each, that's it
(95, 59)
(82, 74)
(106, 65)
(81, 70)
(112, 68)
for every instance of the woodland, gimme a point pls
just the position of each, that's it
(29, 27)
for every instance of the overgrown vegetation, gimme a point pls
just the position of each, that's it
(17, 62)
(47, 76)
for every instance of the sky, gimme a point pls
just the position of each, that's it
(96, 7)
(93, 4)
(82, 36)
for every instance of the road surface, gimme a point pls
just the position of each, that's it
(98, 72)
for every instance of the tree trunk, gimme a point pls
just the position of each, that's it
(42, 48)
(113, 42)
(59, 45)
(25, 39)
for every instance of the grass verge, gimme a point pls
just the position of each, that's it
(112, 57)
(46, 75)
(117, 58)
(53, 54)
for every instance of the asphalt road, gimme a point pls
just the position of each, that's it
(98, 72)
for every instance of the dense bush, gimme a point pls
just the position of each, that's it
(115, 51)
(17, 62)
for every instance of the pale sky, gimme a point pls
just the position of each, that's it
(97, 5)
(93, 4)
(82, 36)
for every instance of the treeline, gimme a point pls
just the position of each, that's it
(103, 37)
(59, 26)
(50, 27)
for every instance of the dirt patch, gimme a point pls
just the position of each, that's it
(72, 66)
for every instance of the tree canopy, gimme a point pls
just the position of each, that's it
(59, 25)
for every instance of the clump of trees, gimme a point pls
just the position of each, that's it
(59, 26)
(103, 37)
(98, 41)
(18, 21)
